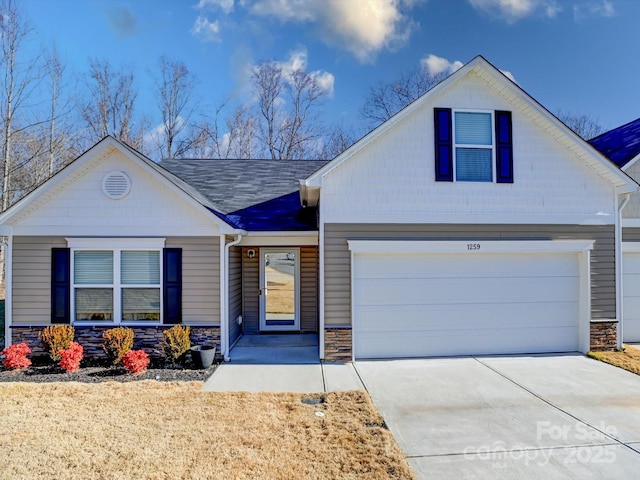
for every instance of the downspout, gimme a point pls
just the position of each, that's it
(8, 288)
(224, 323)
(619, 280)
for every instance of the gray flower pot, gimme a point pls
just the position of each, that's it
(203, 355)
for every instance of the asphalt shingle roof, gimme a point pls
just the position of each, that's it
(259, 195)
(621, 144)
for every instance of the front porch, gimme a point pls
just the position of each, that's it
(273, 301)
(269, 349)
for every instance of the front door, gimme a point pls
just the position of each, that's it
(279, 289)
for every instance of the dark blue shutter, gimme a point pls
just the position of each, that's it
(443, 144)
(60, 285)
(172, 285)
(504, 147)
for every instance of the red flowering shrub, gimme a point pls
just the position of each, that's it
(16, 356)
(135, 361)
(71, 357)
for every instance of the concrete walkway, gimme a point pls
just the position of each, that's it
(281, 363)
(304, 378)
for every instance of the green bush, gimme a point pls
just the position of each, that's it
(177, 343)
(117, 342)
(56, 338)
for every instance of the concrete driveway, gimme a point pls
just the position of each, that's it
(506, 417)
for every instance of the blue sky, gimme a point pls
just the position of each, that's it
(580, 56)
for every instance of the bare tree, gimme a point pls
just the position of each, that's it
(384, 100)
(219, 137)
(174, 88)
(287, 105)
(110, 107)
(18, 80)
(337, 140)
(585, 126)
(60, 139)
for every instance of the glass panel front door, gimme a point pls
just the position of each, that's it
(279, 293)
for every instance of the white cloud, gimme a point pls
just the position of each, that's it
(602, 8)
(362, 27)
(206, 30)
(509, 75)
(437, 65)
(513, 10)
(298, 61)
(225, 5)
(325, 81)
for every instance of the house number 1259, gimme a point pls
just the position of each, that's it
(473, 246)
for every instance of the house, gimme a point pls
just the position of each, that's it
(472, 222)
(622, 146)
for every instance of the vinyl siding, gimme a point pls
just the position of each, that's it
(200, 278)
(32, 278)
(308, 290)
(337, 261)
(632, 210)
(631, 234)
(251, 291)
(235, 292)
(392, 179)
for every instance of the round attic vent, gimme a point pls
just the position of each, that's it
(116, 185)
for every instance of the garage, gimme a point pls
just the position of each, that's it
(631, 292)
(422, 298)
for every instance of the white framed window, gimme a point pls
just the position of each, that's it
(120, 284)
(474, 146)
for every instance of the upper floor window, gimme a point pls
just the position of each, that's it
(473, 143)
(473, 146)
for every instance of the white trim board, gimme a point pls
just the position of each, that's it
(280, 241)
(471, 247)
(116, 243)
(631, 247)
(472, 218)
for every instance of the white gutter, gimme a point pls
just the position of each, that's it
(619, 286)
(224, 321)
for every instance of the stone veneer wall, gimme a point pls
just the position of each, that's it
(148, 338)
(603, 336)
(337, 345)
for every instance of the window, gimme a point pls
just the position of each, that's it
(473, 146)
(116, 285)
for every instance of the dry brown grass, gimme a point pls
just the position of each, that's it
(629, 359)
(173, 431)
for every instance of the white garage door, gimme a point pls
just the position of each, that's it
(631, 295)
(430, 304)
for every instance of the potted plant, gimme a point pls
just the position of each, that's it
(203, 355)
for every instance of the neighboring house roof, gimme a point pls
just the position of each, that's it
(259, 195)
(621, 145)
(511, 92)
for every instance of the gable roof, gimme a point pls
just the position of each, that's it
(257, 195)
(261, 195)
(511, 92)
(103, 148)
(621, 145)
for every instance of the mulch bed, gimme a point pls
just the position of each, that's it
(43, 371)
